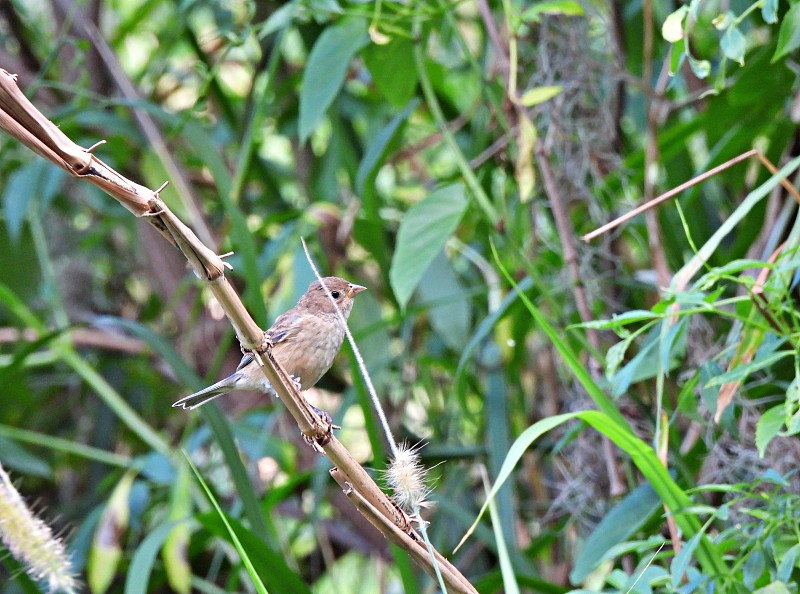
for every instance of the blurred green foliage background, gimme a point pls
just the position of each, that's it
(404, 140)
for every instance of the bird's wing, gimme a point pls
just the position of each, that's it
(285, 327)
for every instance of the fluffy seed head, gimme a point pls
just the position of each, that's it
(408, 478)
(32, 543)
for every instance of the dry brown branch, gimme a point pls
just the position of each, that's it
(688, 184)
(23, 121)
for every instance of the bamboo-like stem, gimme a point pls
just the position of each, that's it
(22, 120)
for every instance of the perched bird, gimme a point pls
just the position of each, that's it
(304, 341)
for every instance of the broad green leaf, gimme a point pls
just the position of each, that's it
(733, 45)
(423, 232)
(449, 308)
(538, 95)
(769, 426)
(376, 153)
(769, 11)
(392, 69)
(562, 7)
(789, 35)
(672, 29)
(753, 568)
(618, 525)
(489, 322)
(326, 69)
(34, 182)
(788, 563)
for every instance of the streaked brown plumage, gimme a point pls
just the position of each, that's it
(305, 341)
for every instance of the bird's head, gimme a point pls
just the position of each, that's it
(342, 291)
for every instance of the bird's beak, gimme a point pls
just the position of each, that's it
(353, 290)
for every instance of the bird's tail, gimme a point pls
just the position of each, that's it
(208, 394)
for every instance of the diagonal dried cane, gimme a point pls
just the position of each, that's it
(20, 118)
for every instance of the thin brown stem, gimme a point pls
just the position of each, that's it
(565, 232)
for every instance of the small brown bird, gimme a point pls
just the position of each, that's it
(304, 340)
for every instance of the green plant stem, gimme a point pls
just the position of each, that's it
(66, 446)
(472, 182)
(115, 401)
(234, 538)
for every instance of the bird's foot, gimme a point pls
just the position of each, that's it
(321, 438)
(299, 386)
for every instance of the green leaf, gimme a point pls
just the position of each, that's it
(769, 11)
(376, 153)
(176, 544)
(106, 551)
(789, 35)
(423, 232)
(523, 166)
(392, 69)
(450, 311)
(775, 587)
(141, 567)
(677, 54)
(645, 459)
(618, 525)
(269, 563)
(700, 68)
(486, 325)
(34, 182)
(733, 45)
(788, 563)
(510, 585)
(562, 7)
(680, 562)
(326, 69)
(769, 425)
(672, 29)
(21, 460)
(538, 95)
(259, 585)
(740, 372)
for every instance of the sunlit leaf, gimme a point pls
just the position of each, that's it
(423, 232)
(326, 68)
(523, 167)
(769, 11)
(562, 7)
(538, 95)
(672, 29)
(789, 35)
(733, 45)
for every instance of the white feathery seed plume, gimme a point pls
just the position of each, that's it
(31, 542)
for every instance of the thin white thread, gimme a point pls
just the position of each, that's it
(359, 359)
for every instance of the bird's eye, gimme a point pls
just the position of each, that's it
(335, 294)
